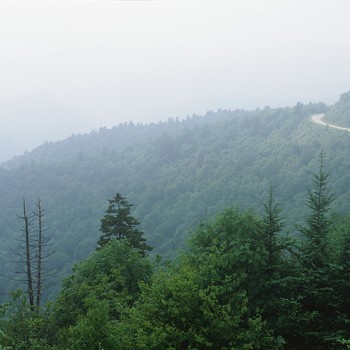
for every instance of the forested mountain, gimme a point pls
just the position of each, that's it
(241, 284)
(339, 114)
(176, 174)
(247, 195)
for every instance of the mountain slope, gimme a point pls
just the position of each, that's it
(339, 114)
(176, 174)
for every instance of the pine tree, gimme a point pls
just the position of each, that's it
(271, 227)
(119, 224)
(315, 313)
(318, 225)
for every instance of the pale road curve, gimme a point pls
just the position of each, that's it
(317, 118)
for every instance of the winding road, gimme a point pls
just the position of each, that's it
(317, 118)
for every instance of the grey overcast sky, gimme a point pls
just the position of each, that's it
(98, 63)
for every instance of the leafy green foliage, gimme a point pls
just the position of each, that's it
(239, 238)
(95, 330)
(22, 327)
(202, 301)
(111, 274)
(182, 310)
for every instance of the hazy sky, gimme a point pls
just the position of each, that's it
(110, 61)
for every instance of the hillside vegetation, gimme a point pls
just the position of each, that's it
(247, 215)
(177, 174)
(339, 114)
(241, 284)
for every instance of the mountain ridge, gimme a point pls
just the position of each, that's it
(176, 174)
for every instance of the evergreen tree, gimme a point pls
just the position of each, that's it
(312, 304)
(277, 269)
(271, 226)
(318, 225)
(342, 281)
(119, 224)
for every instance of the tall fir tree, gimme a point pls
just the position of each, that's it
(313, 318)
(119, 224)
(317, 227)
(271, 227)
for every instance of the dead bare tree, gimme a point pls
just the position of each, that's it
(42, 253)
(32, 253)
(28, 256)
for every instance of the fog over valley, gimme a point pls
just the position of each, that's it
(35, 119)
(70, 67)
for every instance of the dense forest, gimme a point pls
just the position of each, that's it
(243, 256)
(241, 283)
(176, 173)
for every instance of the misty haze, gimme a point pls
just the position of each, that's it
(174, 175)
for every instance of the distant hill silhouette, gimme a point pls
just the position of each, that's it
(339, 114)
(28, 121)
